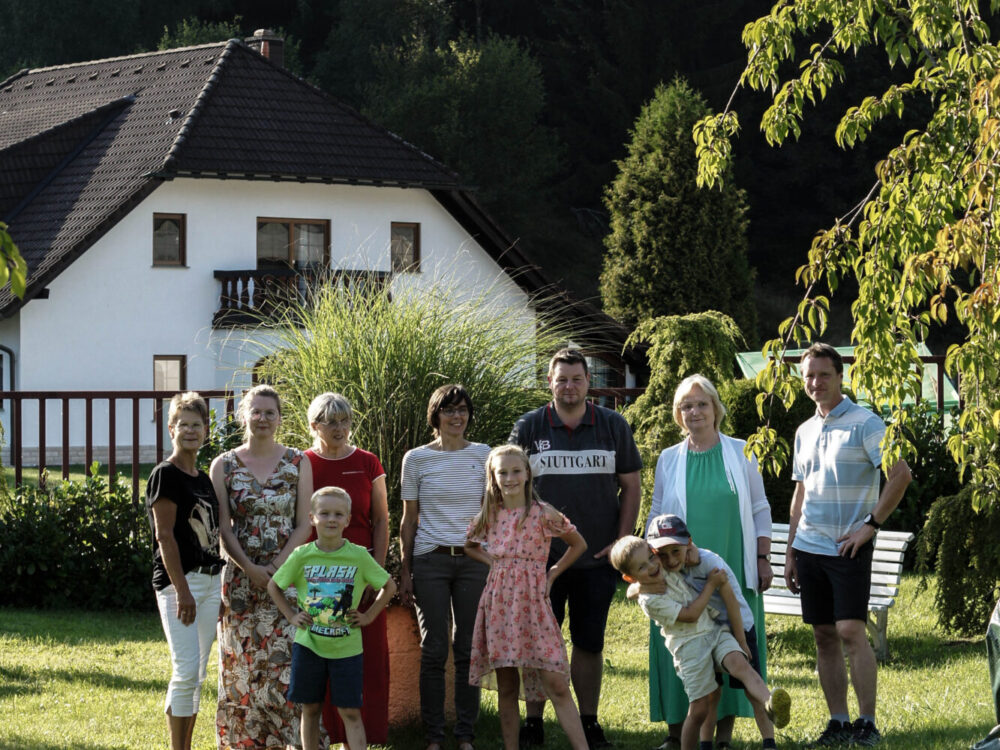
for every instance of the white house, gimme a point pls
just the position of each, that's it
(154, 195)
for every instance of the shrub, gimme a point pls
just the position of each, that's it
(77, 544)
(964, 543)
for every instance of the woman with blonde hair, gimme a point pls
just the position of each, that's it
(708, 481)
(264, 490)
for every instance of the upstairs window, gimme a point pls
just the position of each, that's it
(299, 244)
(169, 240)
(404, 247)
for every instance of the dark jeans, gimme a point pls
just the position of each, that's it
(447, 589)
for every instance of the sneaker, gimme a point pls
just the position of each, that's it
(531, 735)
(595, 736)
(836, 734)
(864, 734)
(779, 707)
(669, 743)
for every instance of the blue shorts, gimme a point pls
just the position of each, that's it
(311, 673)
(589, 593)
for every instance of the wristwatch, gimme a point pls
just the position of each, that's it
(764, 557)
(870, 520)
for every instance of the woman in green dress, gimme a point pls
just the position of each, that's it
(706, 480)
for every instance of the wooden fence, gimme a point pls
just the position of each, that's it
(20, 411)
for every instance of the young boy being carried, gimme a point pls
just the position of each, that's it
(699, 644)
(330, 575)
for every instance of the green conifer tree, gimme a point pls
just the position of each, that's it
(674, 248)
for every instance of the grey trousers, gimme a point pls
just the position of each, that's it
(447, 591)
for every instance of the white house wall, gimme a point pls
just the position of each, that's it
(111, 311)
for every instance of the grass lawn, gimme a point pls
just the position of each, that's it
(77, 473)
(96, 681)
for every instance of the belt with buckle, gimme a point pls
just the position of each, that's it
(446, 550)
(209, 570)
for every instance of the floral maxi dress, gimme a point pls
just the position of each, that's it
(515, 625)
(255, 640)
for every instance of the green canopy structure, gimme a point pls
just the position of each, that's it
(752, 362)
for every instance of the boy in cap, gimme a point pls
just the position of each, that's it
(700, 646)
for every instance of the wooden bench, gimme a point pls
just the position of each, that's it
(887, 569)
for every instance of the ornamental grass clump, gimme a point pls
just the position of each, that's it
(387, 350)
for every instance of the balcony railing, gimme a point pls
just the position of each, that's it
(256, 296)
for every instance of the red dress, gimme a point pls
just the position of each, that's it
(355, 473)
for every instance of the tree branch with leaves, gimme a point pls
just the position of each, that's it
(923, 244)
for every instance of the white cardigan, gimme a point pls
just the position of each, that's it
(670, 495)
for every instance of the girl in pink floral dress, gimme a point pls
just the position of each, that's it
(517, 645)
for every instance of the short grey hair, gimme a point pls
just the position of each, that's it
(684, 390)
(329, 406)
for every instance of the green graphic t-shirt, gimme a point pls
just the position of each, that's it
(329, 584)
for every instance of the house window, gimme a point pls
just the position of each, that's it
(169, 372)
(300, 244)
(168, 240)
(404, 247)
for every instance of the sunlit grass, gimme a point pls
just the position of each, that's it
(97, 681)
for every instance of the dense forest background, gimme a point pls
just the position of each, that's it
(531, 101)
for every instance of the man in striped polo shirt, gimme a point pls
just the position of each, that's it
(836, 511)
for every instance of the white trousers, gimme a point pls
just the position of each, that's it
(190, 645)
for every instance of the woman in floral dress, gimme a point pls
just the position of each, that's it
(264, 490)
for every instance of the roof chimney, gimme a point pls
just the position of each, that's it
(269, 44)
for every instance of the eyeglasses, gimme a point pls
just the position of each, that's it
(345, 422)
(455, 411)
(687, 407)
(270, 415)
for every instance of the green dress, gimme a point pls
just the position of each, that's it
(713, 518)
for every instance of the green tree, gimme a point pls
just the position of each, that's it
(673, 248)
(13, 269)
(923, 244)
(476, 107)
(191, 31)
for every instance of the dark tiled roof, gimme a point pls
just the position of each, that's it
(81, 144)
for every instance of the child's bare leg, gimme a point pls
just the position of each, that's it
(755, 689)
(737, 665)
(697, 712)
(708, 725)
(557, 688)
(309, 725)
(508, 687)
(354, 728)
(764, 723)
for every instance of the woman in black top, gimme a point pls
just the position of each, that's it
(184, 514)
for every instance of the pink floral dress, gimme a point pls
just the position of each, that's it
(515, 626)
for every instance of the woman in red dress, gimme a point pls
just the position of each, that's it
(337, 463)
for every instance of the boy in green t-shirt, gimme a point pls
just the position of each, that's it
(329, 576)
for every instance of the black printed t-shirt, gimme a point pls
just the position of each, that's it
(196, 527)
(576, 471)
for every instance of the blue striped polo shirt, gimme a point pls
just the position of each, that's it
(838, 459)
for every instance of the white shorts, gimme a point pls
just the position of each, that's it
(696, 661)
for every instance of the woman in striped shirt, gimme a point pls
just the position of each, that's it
(442, 489)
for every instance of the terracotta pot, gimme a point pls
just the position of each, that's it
(404, 669)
